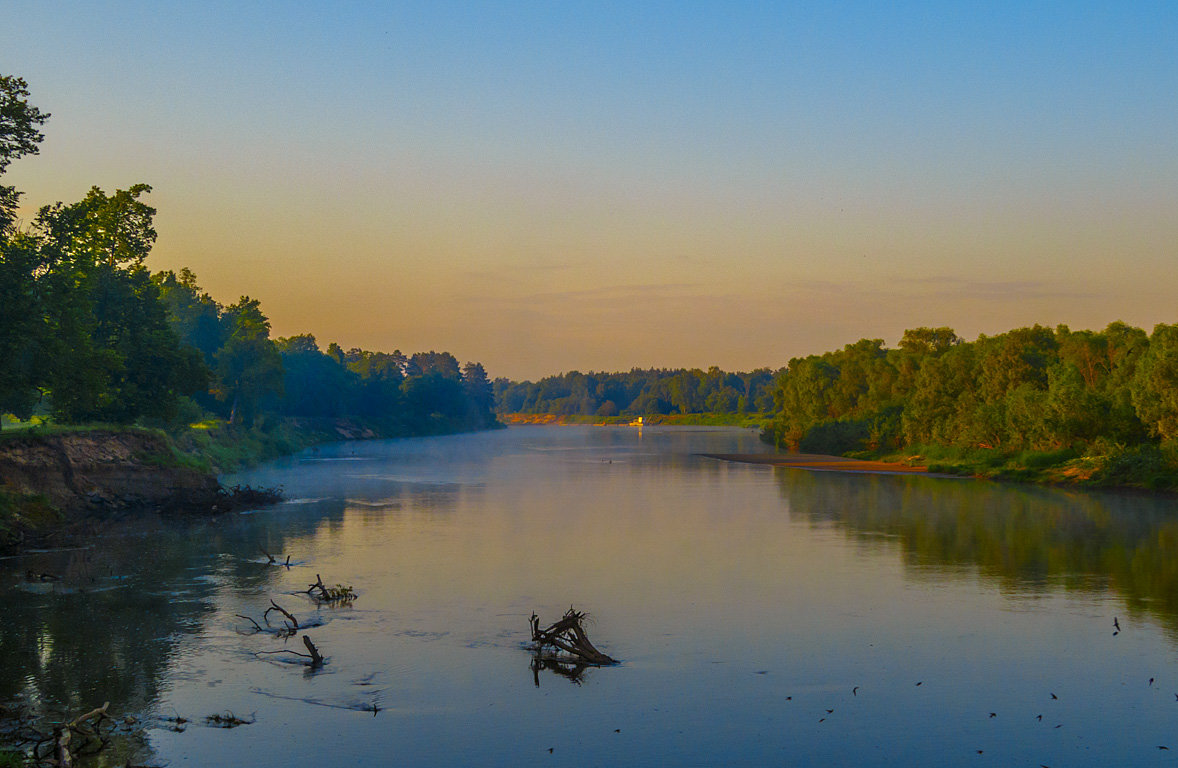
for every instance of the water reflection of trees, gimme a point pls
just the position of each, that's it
(1026, 539)
(106, 622)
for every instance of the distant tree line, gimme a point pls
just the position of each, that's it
(639, 392)
(88, 334)
(1037, 389)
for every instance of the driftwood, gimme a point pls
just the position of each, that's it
(62, 740)
(246, 496)
(568, 635)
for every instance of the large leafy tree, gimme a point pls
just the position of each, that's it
(115, 355)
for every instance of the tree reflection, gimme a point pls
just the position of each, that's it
(1024, 538)
(105, 623)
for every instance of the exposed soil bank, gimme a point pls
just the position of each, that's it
(52, 483)
(88, 471)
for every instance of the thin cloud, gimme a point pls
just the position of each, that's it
(994, 289)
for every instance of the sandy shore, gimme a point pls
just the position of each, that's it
(817, 462)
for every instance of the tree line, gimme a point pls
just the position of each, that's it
(89, 334)
(639, 392)
(1037, 389)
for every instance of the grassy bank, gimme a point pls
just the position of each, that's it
(1100, 465)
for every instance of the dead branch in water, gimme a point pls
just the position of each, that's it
(251, 621)
(271, 560)
(229, 720)
(338, 594)
(568, 635)
(316, 658)
(294, 623)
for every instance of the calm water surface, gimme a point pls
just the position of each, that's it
(762, 616)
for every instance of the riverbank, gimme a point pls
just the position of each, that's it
(56, 483)
(1142, 467)
(820, 463)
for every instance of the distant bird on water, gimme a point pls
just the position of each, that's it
(1151, 681)
(993, 714)
(1054, 696)
(1116, 624)
(855, 691)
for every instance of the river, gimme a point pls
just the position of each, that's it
(760, 615)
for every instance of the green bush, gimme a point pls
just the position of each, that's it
(1043, 459)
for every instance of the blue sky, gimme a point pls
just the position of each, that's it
(545, 187)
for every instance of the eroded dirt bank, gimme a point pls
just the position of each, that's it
(51, 483)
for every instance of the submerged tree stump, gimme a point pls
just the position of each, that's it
(568, 635)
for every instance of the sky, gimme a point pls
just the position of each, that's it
(546, 187)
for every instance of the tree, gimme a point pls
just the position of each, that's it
(112, 230)
(480, 395)
(314, 384)
(192, 313)
(23, 342)
(248, 366)
(442, 363)
(1155, 385)
(19, 136)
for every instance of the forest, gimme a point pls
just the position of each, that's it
(639, 392)
(89, 335)
(1101, 404)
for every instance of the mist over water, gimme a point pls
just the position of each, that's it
(743, 601)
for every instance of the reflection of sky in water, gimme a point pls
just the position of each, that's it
(744, 602)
